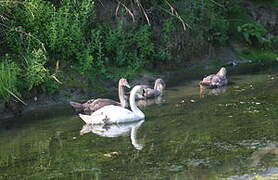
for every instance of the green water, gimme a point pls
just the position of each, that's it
(231, 135)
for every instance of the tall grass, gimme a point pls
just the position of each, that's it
(8, 80)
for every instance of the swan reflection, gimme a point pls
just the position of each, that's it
(115, 130)
(149, 102)
(217, 91)
(258, 155)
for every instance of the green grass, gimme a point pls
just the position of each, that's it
(259, 56)
(8, 79)
(269, 3)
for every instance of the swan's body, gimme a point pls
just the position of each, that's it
(95, 104)
(215, 80)
(114, 114)
(153, 92)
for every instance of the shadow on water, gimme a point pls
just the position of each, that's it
(224, 134)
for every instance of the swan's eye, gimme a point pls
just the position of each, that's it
(143, 91)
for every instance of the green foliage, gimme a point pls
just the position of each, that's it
(164, 48)
(8, 79)
(252, 33)
(118, 48)
(36, 73)
(38, 33)
(259, 56)
(219, 29)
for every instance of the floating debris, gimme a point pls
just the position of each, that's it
(111, 154)
(175, 168)
(192, 100)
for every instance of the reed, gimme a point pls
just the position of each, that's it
(8, 81)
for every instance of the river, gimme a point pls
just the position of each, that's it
(226, 134)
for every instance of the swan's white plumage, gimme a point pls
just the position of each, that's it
(114, 114)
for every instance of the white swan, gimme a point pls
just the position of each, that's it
(116, 130)
(114, 114)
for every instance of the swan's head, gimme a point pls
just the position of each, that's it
(86, 129)
(222, 72)
(138, 90)
(123, 82)
(159, 85)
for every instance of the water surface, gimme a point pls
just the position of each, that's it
(226, 134)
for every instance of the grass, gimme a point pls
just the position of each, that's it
(259, 56)
(8, 79)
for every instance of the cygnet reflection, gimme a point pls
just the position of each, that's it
(149, 102)
(217, 91)
(115, 130)
(258, 155)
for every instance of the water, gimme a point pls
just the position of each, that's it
(228, 134)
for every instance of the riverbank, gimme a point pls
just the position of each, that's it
(82, 54)
(196, 70)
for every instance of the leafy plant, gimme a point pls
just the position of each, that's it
(36, 72)
(259, 56)
(252, 33)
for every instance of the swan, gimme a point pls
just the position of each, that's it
(112, 114)
(115, 130)
(215, 80)
(95, 104)
(149, 93)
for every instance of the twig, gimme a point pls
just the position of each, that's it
(144, 12)
(126, 8)
(15, 96)
(217, 3)
(175, 13)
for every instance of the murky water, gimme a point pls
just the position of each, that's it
(231, 133)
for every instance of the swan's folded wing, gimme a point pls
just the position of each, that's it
(115, 114)
(99, 103)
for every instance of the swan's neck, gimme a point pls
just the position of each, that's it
(158, 86)
(133, 106)
(222, 72)
(133, 136)
(121, 93)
